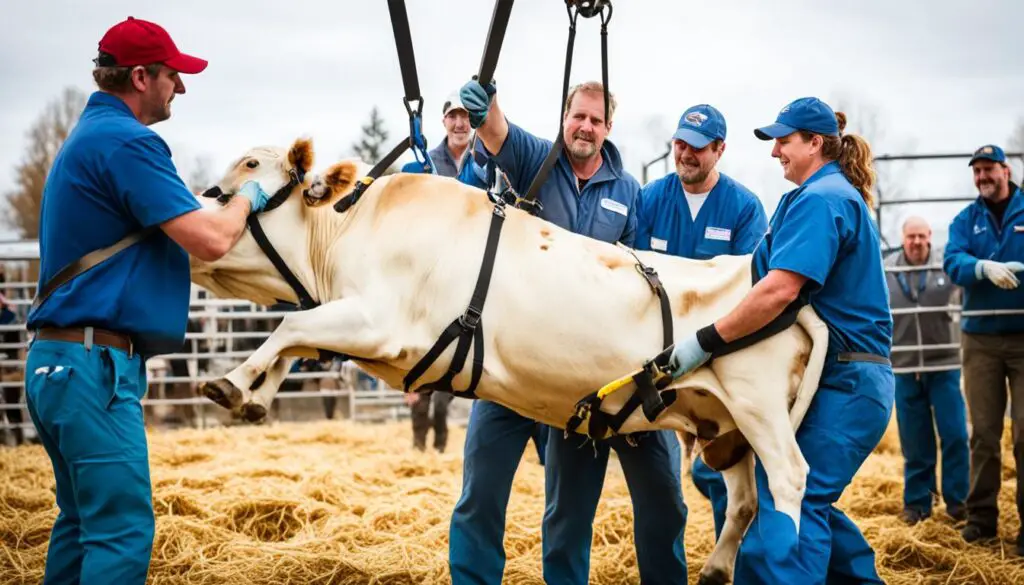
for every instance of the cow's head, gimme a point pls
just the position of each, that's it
(278, 171)
(297, 198)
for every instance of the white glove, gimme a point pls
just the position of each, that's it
(1001, 274)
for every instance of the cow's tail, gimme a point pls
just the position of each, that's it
(817, 330)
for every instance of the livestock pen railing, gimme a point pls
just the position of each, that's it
(221, 334)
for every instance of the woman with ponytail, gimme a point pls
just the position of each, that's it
(821, 248)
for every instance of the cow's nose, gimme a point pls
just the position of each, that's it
(212, 192)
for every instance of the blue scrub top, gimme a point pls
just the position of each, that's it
(114, 176)
(730, 222)
(824, 231)
(976, 235)
(605, 209)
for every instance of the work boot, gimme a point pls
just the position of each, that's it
(977, 534)
(910, 516)
(958, 512)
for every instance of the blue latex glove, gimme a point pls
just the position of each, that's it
(476, 99)
(252, 191)
(687, 356)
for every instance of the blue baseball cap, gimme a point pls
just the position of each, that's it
(989, 152)
(809, 114)
(699, 125)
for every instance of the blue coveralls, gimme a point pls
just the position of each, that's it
(113, 176)
(992, 347)
(731, 221)
(823, 230)
(975, 235)
(604, 209)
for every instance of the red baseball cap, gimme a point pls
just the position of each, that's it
(140, 42)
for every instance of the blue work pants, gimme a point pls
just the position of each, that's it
(86, 410)
(926, 403)
(574, 477)
(495, 441)
(838, 433)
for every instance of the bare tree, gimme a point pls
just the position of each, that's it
(45, 138)
(866, 119)
(200, 178)
(1016, 143)
(863, 118)
(1016, 140)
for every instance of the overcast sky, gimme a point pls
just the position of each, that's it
(936, 76)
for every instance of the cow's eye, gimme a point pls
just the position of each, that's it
(252, 164)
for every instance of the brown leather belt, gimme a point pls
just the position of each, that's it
(120, 341)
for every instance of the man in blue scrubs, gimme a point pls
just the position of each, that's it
(85, 371)
(698, 212)
(822, 246)
(587, 192)
(985, 256)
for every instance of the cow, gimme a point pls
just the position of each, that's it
(564, 315)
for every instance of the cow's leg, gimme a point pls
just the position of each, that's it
(767, 428)
(255, 409)
(341, 326)
(739, 484)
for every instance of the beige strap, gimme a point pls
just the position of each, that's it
(87, 262)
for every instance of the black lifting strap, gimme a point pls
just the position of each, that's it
(466, 328)
(588, 9)
(495, 37)
(411, 84)
(305, 299)
(649, 386)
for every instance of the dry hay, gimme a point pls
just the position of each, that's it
(335, 502)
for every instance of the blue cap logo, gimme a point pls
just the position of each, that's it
(809, 114)
(699, 125)
(988, 152)
(696, 118)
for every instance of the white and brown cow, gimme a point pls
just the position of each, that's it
(565, 314)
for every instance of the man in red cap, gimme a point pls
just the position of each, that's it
(96, 323)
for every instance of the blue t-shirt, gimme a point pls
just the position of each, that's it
(114, 176)
(730, 222)
(605, 209)
(976, 235)
(823, 230)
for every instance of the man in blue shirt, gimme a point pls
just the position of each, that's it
(85, 370)
(985, 255)
(448, 156)
(698, 212)
(588, 192)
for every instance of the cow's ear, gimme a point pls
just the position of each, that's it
(300, 155)
(337, 182)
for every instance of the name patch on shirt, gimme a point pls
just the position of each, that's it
(717, 233)
(660, 245)
(615, 206)
(1018, 229)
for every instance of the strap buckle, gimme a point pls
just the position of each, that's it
(471, 318)
(591, 8)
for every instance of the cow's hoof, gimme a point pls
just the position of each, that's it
(714, 577)
(222, 392)
(254, 412)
